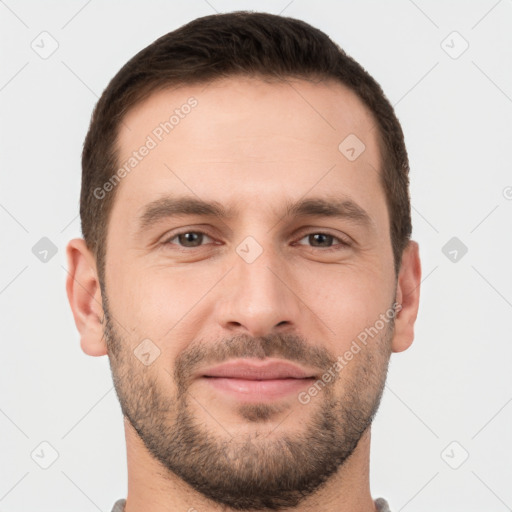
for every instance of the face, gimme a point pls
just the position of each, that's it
(249, 285)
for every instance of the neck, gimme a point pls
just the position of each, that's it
(152, 488)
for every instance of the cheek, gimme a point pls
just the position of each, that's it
(158, 302)
(347, 300)
(164, 302)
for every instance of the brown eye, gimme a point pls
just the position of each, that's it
(324, 241)
(188, 239)
(321, 239)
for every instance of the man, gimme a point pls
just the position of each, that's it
(246, 265)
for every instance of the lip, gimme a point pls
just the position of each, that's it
(257, 381)
(258, 370)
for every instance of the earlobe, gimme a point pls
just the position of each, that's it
(408, 295)
(84, 296)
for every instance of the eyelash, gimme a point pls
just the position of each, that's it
(343, 242)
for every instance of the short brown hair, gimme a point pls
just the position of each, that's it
(222, 46)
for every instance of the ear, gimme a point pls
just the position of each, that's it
(408, 295)
(84, 295)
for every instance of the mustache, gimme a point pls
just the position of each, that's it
(288, 346)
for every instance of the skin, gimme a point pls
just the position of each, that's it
(250, 145)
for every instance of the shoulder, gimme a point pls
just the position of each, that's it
(119, 505)
(382, 505)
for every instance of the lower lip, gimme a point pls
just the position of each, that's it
(258, 390)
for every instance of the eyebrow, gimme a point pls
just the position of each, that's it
(168, 207)
(337, 208)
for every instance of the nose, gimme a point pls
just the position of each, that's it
(257, 298)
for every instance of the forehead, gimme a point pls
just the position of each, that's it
(249, 141)
(321, 112)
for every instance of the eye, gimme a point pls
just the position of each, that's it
(319, 240)
(187, 239)
(324, 241)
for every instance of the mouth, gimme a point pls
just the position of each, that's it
(256, 381)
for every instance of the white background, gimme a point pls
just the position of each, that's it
(453, 384)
